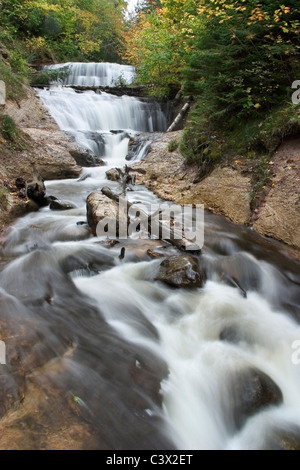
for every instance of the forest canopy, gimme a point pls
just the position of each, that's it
(58, 30)
(238, 58)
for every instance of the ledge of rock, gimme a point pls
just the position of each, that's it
(279, 215)
(226, 189)
(47, 148)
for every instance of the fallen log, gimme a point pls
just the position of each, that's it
(179, 118)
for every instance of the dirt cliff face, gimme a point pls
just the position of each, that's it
(47, 148)
(279, 215)
(227, 189)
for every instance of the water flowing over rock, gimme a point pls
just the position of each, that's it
(86, 159)
(252, 390)
(96, 74)
(103, 349)
(141, 144)
(283, 439)
(105, 112)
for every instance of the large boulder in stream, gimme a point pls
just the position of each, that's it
(114, 174)
(251, 391)
(100, 207)
(180, 271)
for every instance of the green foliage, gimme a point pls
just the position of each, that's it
(202, 148)
(8, 128)
(173, 145)
(243, 64)
(120, 81)
(261, 173)
(241, 69)
(46, 77)
(11, 133)
(64, 29)
(14, 87)
(19, 65)
(237, 58)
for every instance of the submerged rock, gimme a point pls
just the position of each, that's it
(58, 205)
(283, 439)
(251, 391)
(180, 271)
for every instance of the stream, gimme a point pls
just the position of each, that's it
(106, 357)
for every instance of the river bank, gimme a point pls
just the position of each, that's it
(226, 191)
(42, 148)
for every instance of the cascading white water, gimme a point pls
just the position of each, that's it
(197, 393)
(83, 113)
(96, 74)
(206, 336)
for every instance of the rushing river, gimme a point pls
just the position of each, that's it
(125, 361)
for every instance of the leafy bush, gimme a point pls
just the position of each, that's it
(173, 145)
(11, 133)
(48, 76)
(14, 86)
(9, 130)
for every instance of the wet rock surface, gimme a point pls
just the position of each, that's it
(100, 207)
(180, 271)
(72, 383)
(59, 205)
(251, 391)
(114, 174)
(86, 159)
(283, 439)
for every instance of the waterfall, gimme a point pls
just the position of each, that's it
(82, 113)
(96, 74)
(117, 360)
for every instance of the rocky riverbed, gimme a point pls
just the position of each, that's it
(225, 191)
